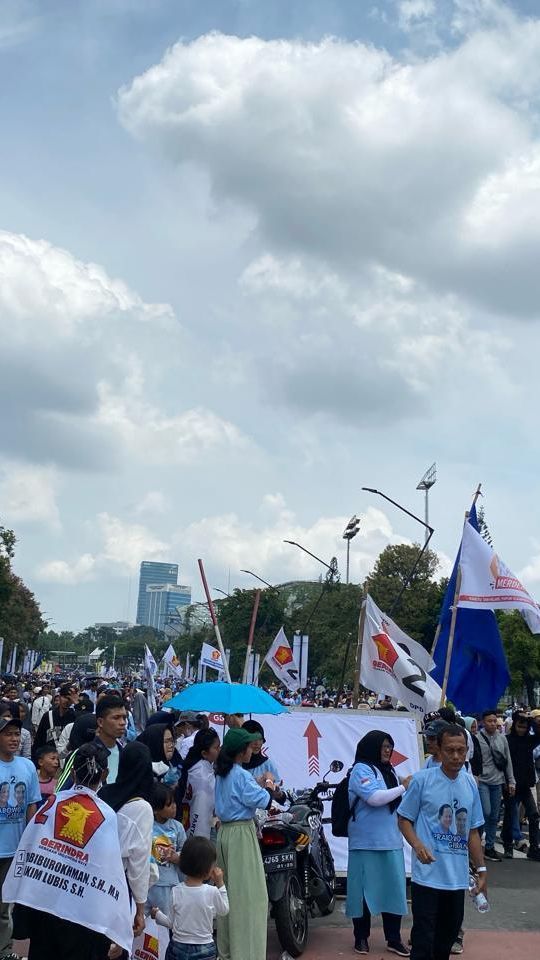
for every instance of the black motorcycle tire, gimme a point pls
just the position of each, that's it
(327, 905)
(292, 931)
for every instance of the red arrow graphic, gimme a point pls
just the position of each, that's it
(313, 736)
(397, 758)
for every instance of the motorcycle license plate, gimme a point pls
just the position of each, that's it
(273, 862)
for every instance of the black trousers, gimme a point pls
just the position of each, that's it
(523, 795)
(52, 938)
(391, 926)
(437, 918)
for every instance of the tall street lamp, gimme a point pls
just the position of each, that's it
(349, 534)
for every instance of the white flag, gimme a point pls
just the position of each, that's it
(395, 665)
(172, 661)
(280, 659)
(150, 669)
(487, 583)
(210, 657)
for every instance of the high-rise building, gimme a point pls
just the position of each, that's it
(153, 573)
(163, 602)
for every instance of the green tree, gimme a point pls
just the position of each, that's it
(331, 621)
(20, 617)
(522, 653)
(235, 617)
(418, 610)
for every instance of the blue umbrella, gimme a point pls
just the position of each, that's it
(220, 697)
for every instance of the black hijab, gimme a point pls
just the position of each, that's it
(256, 759)
(153, 737)
(368, 751)
(135, 778)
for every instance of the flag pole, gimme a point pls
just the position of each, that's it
(438, 630)
(453, 624)
(356, 685)
(251, 635)
(214, 621)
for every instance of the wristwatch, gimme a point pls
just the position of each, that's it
(481, 869)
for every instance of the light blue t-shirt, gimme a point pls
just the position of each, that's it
(371, 828)
(170, 834)
(19, 787)
(443, 812)
(238, 795)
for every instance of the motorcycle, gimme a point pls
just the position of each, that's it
(298, 864)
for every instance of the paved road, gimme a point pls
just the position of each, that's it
(511, 931)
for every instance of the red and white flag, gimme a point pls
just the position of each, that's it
(280, 659)
(395, 665)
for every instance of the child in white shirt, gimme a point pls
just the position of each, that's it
(195, 903)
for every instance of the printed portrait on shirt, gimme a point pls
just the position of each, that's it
(445, 818)
(461, 822)
(4, 794)
(451, 831)
(20, 794)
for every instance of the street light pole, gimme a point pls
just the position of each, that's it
(349, 534)
(331, 578)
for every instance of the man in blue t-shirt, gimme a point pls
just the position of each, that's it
(19, 795)
(439, 816)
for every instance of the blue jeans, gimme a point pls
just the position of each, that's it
(191, 951)
(490, 796)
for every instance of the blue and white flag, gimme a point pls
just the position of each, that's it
(478, 670)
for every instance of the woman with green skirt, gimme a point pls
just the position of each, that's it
(242, 933)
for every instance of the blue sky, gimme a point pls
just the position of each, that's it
(248, 269)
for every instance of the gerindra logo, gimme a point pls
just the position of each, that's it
(76, 820)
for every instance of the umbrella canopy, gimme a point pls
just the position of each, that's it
(220, 697)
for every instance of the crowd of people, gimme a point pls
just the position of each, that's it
(177, 809)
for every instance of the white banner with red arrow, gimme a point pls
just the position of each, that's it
(303, 743)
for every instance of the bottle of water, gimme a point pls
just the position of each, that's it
(479, 899)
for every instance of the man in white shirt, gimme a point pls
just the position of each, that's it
(41, 705)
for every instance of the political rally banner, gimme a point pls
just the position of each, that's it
(395, 665)
(69, 864)
(152, 943)
(172, 662)
(303, 743)
(211, 657)
(487, 583)
(280, 659)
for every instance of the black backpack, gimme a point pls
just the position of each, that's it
(341, 812)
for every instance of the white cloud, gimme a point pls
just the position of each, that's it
(28, 494)
(349, 155)
(226, 541)
(85, 366)
(77, 571)
(153, 502)
(123, 546)
(145, 432)
(412, 11)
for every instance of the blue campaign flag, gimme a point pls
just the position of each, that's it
(478, 669)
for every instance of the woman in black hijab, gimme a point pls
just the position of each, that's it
(159, 739)
(130, 798)
(376, 867)
(370, 750)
